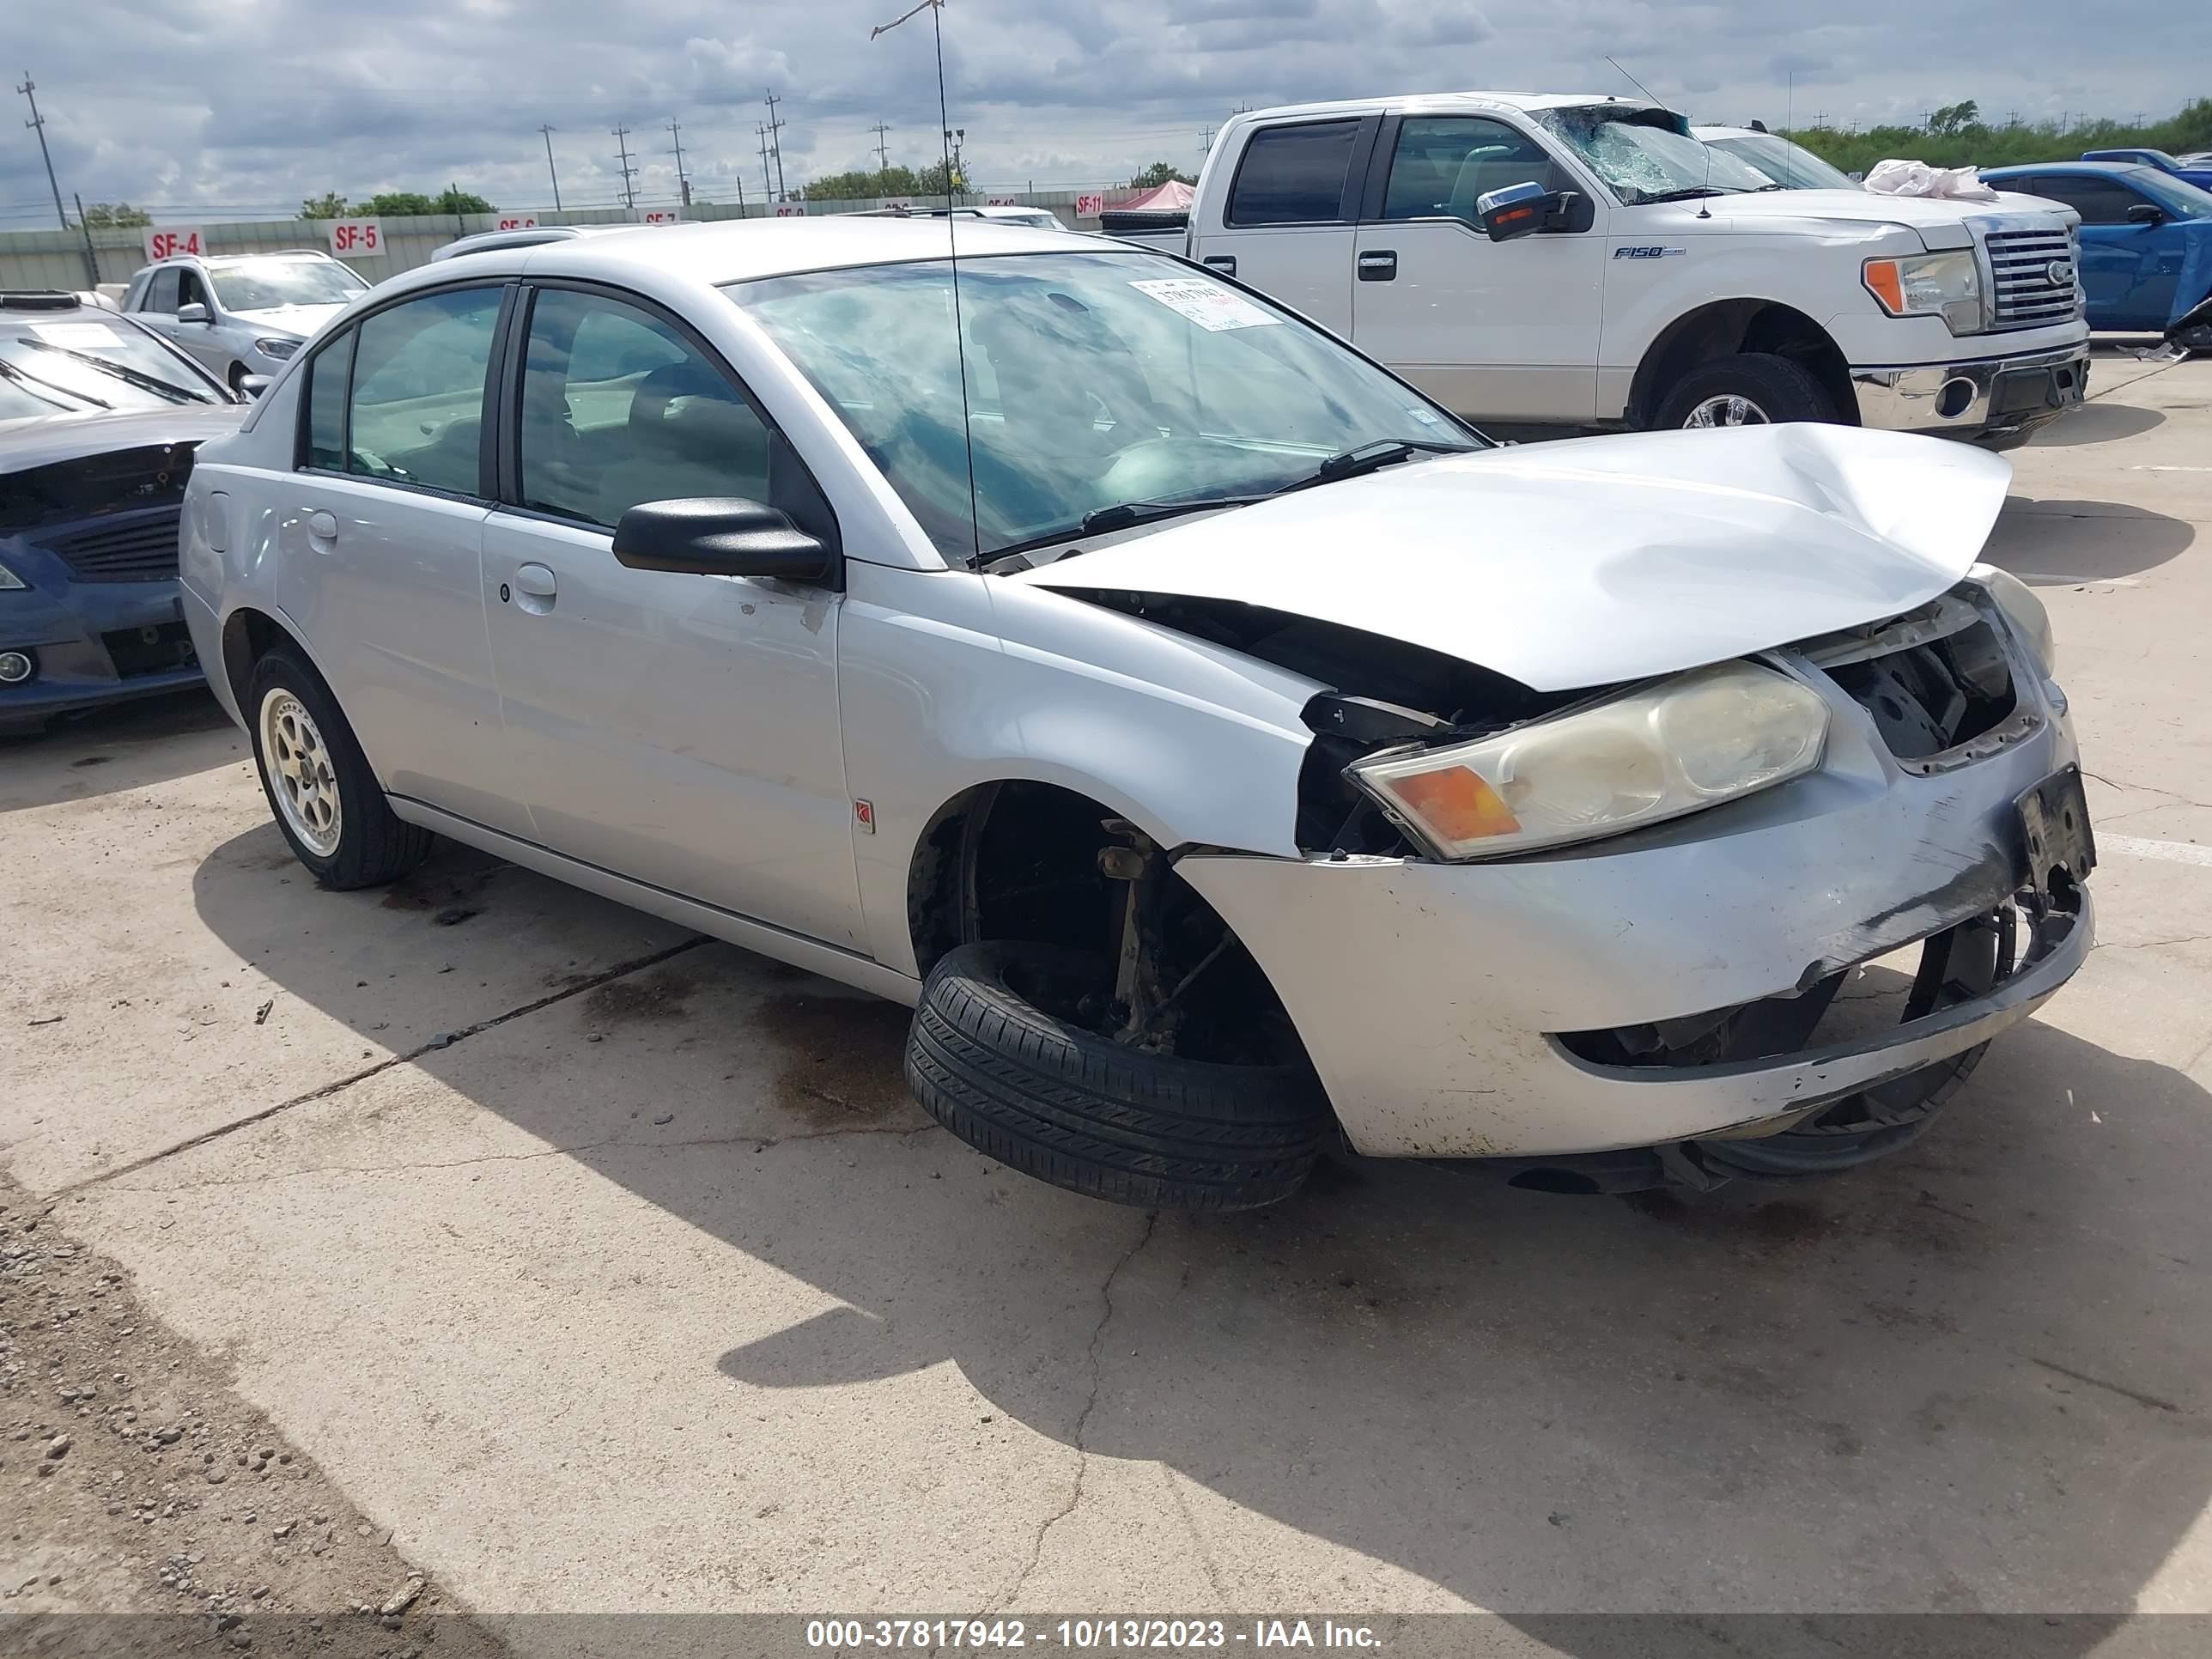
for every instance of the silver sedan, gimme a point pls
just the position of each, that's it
(1227, 752)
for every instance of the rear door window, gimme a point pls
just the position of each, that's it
(418, 385)
(1293, 175)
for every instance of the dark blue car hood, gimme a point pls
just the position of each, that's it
(43, 440)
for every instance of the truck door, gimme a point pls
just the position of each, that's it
(1284, 225)
(1494, 331)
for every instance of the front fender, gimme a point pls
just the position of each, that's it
(949, 680)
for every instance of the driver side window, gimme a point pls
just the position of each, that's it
(190, 291)
(1442, 163)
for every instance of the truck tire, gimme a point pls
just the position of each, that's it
(326, 799)
(1069, 1106)
(1752, 388)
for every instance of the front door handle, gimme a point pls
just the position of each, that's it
(536, 587)
(322, 527)
(1224, 263)
(1380, 265)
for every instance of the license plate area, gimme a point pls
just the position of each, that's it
(2060, 847)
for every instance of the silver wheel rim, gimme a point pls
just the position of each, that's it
(1728, 410)
(297, 763)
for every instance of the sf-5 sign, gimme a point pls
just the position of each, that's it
(357, 237)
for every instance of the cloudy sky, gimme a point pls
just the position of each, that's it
(208, 108)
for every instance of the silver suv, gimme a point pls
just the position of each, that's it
(245, 314)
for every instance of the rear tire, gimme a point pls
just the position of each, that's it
(325, 799)
(2197, 337)
(1062, 1102)
(1752, 388)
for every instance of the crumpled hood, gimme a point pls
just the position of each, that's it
(45, 439)
(1594, 560)
(301, 320)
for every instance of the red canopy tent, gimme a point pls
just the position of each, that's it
(1173, 197)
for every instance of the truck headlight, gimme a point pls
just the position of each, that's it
(2024, 611)
(279, 349)
(1677, 746)
(1946, 285)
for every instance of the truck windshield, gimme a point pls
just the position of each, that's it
(1078, 382)
(1641, 160)
(1790, 166)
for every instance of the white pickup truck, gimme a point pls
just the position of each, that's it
(1585, 262)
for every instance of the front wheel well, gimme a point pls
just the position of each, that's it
(1729, 327)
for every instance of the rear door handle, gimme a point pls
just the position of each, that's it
(1379, 266)
(322, 527)
(1224, 263)
(535, 585)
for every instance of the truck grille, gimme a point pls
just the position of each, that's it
(2021, 262)
(143, 550)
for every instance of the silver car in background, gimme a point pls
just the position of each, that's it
(241, 314)
(1227, 752)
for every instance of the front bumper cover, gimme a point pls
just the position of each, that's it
(1997, 400)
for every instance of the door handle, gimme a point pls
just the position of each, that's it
(536, 587)
(322, 527)
(1379, 266)
(1224, 263)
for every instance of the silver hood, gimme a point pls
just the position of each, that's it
(303, 320)
(1596, 560)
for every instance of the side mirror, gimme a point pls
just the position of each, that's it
(1520, 210)
(191, 312)
(253, 386)
(2146, 213)
(722, 535)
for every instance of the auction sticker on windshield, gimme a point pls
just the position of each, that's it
(91, 336)
(1209, 305)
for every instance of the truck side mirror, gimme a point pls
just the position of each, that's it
(191, 312)
(1520, 210)
(2146, 213)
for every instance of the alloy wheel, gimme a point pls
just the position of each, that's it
(1729, 409)
(300, 772)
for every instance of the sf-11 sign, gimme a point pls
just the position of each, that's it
(1090, 207)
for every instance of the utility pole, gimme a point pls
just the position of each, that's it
(882, 157)
(550, 168)
(775, 141)
(768, 185)
(1205, 142)
(38, 125)
(621, 146)
(682, 184)
(84, 228)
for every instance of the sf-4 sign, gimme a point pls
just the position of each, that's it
(357, 238)
(169, 241)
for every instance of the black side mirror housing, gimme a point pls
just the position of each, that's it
(2146, 213)
(253, 386)
(723, 535)
(1518, 210)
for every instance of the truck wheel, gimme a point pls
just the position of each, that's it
(325, 798)
(2197, 337)
(996, 1056)
(1750, 389)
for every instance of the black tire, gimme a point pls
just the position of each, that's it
(373, 846)
(1068, 1106)
(2196, 338)
(1778, 389)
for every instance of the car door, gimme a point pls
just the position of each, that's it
(380, 529)
(2129, 269)
(679, 729)
(1497, 331)
(157, 303)
(202, 339)
(1286, 224)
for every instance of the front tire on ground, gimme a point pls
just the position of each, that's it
(1752, 388)
(1058, 1101)
(326, 799)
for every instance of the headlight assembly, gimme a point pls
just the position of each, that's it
(1674, 747)
(279, 349)
(1946, 285)
(2024, 611)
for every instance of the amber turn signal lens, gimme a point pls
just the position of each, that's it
(1456, 804)
(1882, 279)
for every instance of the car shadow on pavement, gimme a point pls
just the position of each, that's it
(126, 745)
(2098, 423)
(2049, 543)
(1970, 1378)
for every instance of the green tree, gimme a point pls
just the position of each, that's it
(413, 205)
(1964, 139)
(329, 205)
(1159, 173)
(1955, 117)
(115, 215)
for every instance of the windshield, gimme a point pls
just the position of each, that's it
(99, 362)
(2177, 196)
(1644, 162)
(1790, 166)
(264, 284)
(1093, 380)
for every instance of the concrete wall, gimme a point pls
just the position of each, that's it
(56, 258)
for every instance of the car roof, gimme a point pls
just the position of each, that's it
(1450, 101)
(2075, 169)
(1734, 133)
(741, 250)
(237, 258)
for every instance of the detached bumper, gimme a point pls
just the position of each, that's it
(1997, 401)
(1430, 996)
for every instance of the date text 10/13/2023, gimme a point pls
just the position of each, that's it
(1111, 1635)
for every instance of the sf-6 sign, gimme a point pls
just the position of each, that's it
(169, 241)
(518, 222)
(355, 237)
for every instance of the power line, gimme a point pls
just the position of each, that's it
(550, 168)
(38, 125)
(682, 184)
(628, 172)
(775, 141)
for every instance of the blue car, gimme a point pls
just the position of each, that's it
(2187, 169)
(99, 420)
(2146, 244)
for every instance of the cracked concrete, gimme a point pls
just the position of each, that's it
(672, 1301)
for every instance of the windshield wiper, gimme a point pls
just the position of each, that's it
(1371, 457)
(1121, 515)
(173, 392)
(39, 386)
(1688, 193)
